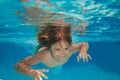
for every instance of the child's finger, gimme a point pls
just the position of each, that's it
(78, 57)
(43, 75)
(86, 59)
(38, 78)
(89, 57)
(83, 59)
(44, 70)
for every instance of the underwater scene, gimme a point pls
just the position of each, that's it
(23, 22)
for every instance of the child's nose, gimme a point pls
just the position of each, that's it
(62, 53)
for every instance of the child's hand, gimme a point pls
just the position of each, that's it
(37, 74)
(83, 56)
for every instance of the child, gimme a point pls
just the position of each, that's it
(56, 50)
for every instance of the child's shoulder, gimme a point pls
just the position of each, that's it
(42, 52)
(43, 49)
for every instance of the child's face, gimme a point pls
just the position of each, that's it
(60, 50)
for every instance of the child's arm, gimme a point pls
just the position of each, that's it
(23, 67)
(83, 47)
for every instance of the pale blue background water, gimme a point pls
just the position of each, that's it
(17, 41)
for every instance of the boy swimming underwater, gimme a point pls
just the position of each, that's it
(55, 51)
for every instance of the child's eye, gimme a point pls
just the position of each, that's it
(66, 48)
(57, 49)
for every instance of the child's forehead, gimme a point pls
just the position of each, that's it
(62, 44)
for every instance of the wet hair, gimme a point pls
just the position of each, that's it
(51, 34)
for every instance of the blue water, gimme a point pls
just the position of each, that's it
(18, 40)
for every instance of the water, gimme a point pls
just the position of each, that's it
(18, 40)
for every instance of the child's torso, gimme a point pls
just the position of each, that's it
(50, 61)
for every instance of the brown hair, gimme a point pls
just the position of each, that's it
(51, 33)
